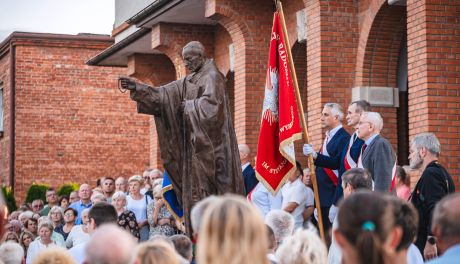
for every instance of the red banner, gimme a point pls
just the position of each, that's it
(280, 120)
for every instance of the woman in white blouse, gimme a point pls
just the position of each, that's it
(45, 229)
(137, 203)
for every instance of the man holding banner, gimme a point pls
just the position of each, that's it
(327, 158)
(280, 116)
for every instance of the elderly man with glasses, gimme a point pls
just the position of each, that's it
(377, 154)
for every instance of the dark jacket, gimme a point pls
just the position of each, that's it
(433, 185)
(250, 180)
(326, 188)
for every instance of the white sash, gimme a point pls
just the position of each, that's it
(348, 157)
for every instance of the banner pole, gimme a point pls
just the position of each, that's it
(306, 138)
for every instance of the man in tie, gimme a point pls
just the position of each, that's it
(350, 154)
(377, 154)
(336, 140)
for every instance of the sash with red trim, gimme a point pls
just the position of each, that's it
(348, 161)
(332, 174)
(393, 175)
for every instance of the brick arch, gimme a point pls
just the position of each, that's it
(249, 29)
(172, 52)
(381, 35)
(382, 31)
(170, 38)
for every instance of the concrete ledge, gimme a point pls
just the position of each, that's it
(377, 96)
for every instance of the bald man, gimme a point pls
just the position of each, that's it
(84, 192)
(249, 175)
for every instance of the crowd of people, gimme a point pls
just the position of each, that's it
(368, 210)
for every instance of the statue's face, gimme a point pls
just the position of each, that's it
(193, 61)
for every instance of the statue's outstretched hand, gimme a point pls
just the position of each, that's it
(127, 83)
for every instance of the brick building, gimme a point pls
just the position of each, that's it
(403, 56)
(70, 122)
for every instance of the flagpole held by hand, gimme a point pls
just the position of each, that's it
(306, 137)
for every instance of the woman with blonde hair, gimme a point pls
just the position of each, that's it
(304, 247)
(137, 203)
(232, 232)
(156, 252)
(54, 255)
(159, 217)
(126, 219)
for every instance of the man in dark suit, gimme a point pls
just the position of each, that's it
(336, 140)
(350, 154)
(433, 185)
(377, 154)
(249, 175)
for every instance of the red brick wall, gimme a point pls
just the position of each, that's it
(332, 38)
(155, 70)
(72, 123)
(249, 24)
(221, 51)
(5, 139)
(434, 99)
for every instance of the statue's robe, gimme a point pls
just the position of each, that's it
(198, 148)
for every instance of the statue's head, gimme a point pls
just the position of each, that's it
(193, 55)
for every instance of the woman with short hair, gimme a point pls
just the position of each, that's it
(126, 218)
(160, 219)
(137, 203)
(45, 230)
(56, 215)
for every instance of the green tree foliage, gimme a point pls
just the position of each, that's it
(36, 191)
(9, 198)
(67, 188)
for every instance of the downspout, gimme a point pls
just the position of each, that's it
(12, 109)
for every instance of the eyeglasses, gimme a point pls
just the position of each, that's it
(37, 206)
(68, 214)
(51, 194)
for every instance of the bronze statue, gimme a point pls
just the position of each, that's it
(197, 141)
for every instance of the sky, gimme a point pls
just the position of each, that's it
(56, 16)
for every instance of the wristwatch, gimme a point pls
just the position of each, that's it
(431, 240)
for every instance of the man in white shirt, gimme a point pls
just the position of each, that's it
(294, 194)
(264, 200)
(100, 213)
